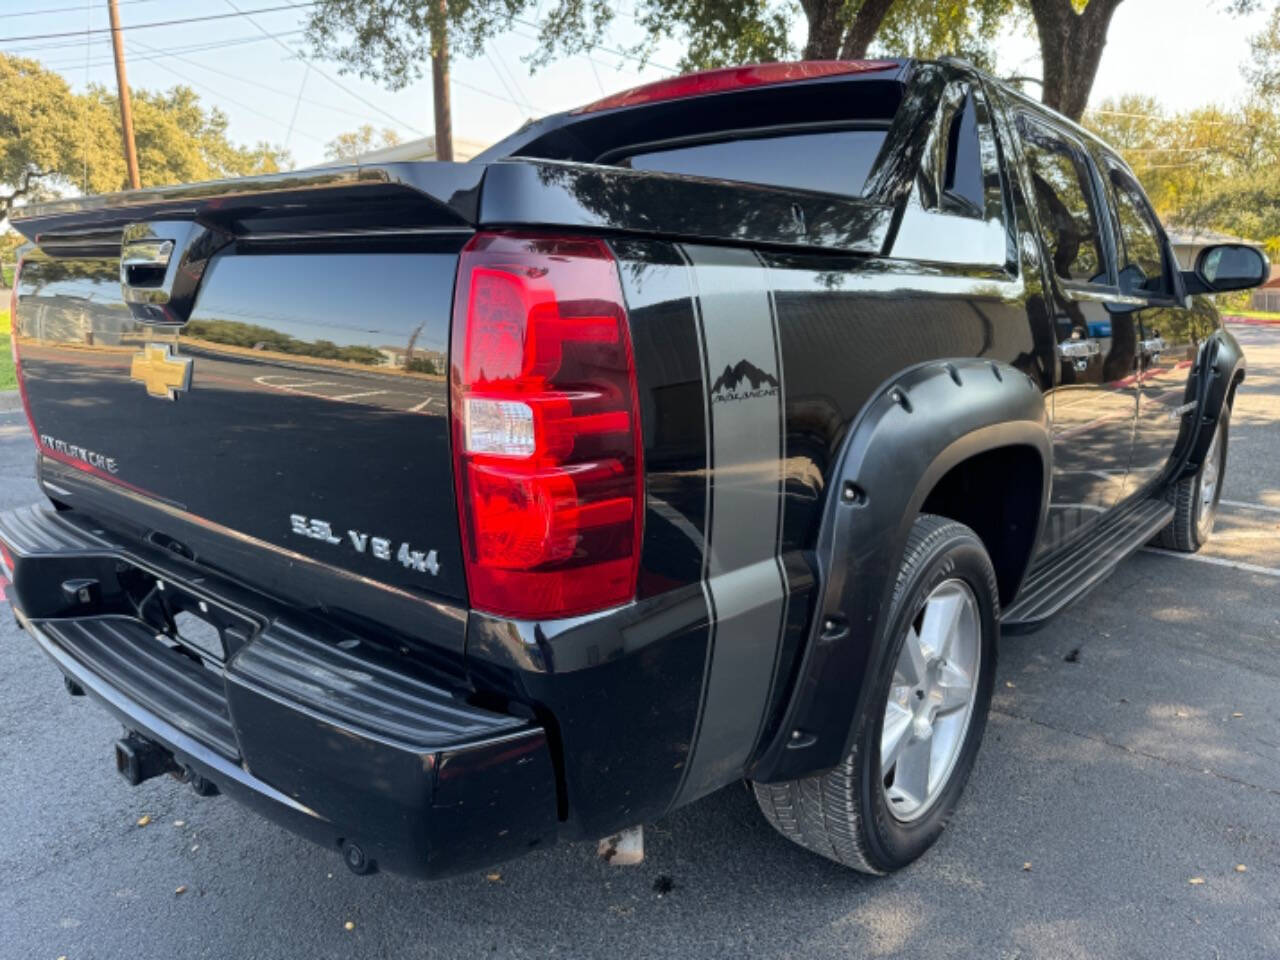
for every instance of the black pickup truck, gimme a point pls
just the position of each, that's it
(711, 431)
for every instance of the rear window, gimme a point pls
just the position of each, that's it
(827, 161)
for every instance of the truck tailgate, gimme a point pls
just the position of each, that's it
(302, 405)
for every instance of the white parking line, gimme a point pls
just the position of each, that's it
(352, 396)
(1250, 506)
(421, 406)
(1216, 561)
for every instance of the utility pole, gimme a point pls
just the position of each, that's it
(440, 87)
(126, 108)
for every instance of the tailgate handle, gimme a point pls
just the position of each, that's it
(161, 265)
(143, 262)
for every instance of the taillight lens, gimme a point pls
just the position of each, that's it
(724, 79)
(546, 439)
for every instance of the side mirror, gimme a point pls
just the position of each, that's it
(1228, 266)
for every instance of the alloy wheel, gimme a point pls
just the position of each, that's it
(931, 698)
(1210, 478)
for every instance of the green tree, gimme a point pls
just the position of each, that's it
(392, 41)
(717, 33)
(1263, 68)
(1211, 168)
(347, 146)
(181, 141)
(53, 140)
(50, 139)
(1072, 36)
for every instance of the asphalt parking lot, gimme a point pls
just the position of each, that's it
(1131, 768)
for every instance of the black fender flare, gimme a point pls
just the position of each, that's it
(1219, 370)
(918, 426)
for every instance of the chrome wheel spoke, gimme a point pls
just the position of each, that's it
(896, 734)
(911, 774)
(941, 617)
(911, 662)
(955, 689)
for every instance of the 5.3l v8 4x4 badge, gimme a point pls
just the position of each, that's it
(380, 548)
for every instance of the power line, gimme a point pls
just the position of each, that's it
(159, 23)
(298, 98)
(41, 13)
(625, 55)
(351, 93)
(503, 80)
(163, 52)
(497, 96)
(238, 103)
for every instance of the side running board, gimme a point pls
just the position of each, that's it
(1071, 572)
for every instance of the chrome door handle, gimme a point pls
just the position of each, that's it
(1079, 352)
(1154, 347)
(1075, 349)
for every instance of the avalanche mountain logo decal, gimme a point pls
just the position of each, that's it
(733, 383)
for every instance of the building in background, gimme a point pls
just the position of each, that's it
(423, 149)
(1267, 296)
(1187, 243)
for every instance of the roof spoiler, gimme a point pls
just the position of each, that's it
(356, 199)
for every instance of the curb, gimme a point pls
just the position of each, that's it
(1251, 321)
(10, 401)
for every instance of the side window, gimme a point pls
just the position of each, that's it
(1065, 200)
(1143, 264)
(960, 171)
(955, 214)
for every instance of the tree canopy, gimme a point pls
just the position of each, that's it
(392, 41)
(353, 143)
(53, 140)
(1212, 168)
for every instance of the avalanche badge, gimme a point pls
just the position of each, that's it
(161, 371)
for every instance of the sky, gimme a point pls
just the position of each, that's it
(1185, 52)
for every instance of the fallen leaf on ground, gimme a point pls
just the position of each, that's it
(181, 890)
(348, 925)
(144, 820)
(1027, 866)
(1241, 868)
(1237, 715)
(1009, 684)
(493, 877)
(1196, 881)
(179, 823)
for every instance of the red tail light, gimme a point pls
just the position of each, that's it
(734, 78)
(546, 427)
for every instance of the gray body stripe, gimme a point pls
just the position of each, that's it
(742, 574)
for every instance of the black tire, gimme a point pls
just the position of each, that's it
(844, 814)
(1194, 511)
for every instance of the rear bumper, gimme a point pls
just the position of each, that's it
(317, 729)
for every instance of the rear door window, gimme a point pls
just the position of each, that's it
(826, 161)
(1062, 184)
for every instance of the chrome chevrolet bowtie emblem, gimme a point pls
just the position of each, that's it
(162, 372)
